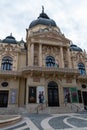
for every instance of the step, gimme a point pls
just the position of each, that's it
(6, 120)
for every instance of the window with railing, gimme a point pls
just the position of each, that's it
(81, 68)
(7, 63)
(50, 61)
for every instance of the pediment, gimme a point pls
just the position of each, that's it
(54, 36)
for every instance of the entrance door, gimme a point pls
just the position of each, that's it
(85, 99)
(3, 98)
(79, 96)
(53, 97)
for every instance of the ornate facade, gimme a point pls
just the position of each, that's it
(47, 68)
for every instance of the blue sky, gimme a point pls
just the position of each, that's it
(69, 15)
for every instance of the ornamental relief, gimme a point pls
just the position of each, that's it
(50, 50)
(9, 48)
(6, 47)
(8, 53)
(79, 56)
(44, 49)
(48, 35)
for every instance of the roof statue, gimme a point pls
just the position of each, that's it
(42, 9)
(11, 34)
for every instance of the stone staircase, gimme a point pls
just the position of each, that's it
(13, 111)
(69, 108)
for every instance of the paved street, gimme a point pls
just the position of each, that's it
(74, 121)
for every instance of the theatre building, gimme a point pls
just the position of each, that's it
(47, 68)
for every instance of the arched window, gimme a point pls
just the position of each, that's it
(7, 63)
(81, 68)
(50, 61)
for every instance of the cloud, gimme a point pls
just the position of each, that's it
(69, 15)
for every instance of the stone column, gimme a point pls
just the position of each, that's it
(69, 59)
(61, 57)
(29, 55)
(40, 55)
(27, 93)
(32, 54)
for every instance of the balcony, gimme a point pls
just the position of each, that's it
(83, 77)
(36, 69)
(10, 73)
(49, 70)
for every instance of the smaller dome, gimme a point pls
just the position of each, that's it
(22, 41)
(74, 47)
(9, 39)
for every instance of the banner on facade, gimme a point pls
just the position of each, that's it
(74, 94)
(40, 94)
(32, 94)
(70, 94)
(13, 96)
(67, 95)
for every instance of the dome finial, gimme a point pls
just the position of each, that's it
(11, 34)
(42, 9)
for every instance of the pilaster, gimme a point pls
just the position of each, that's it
(69, 59)
(32, 54)
(40, 55)
(61, 57)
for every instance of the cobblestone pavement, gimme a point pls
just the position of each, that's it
(74, 121)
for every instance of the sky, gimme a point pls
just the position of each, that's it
(69, 15)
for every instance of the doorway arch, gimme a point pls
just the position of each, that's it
(53, 94)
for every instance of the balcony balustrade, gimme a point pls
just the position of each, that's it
(9, 73)
(82, 77)
(50, 69)
(28, 69)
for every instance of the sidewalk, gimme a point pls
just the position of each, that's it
(68, 121)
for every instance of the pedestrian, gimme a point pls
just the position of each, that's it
(65, 100)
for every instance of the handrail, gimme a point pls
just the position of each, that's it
(77, 107)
